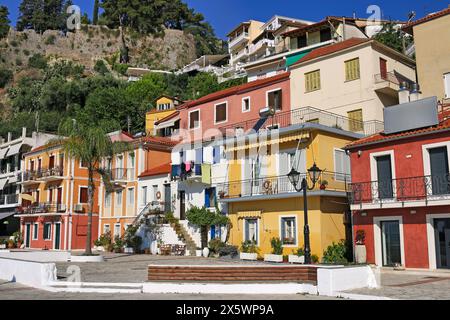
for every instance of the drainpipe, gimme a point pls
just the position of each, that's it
(72, 167)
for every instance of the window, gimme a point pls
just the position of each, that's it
(355, 119)
(447, 85)
(194, 119)
(251, 230)
(302, 42)
(83, 195)
(35, 231)
(439, 170)
(131, 196)
(341, 165)
(246, 104)
(118, 198)
(108, 199)
(47, 231)
(352, 71)
(155, 191)
(312, 80)
(117, 230)
(144, 195)
(274, 99)
(220, 113)
(288, 231)
(210, 198)
(216, 154)
(106, 228)
(325, 35)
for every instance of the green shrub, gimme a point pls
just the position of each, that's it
(120, 68)
(215, 245)
(50, 40)
(131, 239)
(249, 247)
(314, 258)
(37, 61)
(5, 77)
(100, 67)
(300, 252)
(277, 246)
(14, 43)
(26, 52)
(228, 250)
(335, 253)
(18, 62)
(104, 240)
(118, 244)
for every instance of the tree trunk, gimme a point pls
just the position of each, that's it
(204, 236)
(91, 187)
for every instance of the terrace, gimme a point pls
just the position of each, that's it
(42, 208)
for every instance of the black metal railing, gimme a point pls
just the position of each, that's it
(182, 172)
(283, 119)
(403, 189)
(42, 207)
(272, 185)
(40, 174)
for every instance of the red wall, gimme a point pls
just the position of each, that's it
(235, 114)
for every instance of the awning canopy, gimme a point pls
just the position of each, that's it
(167, 124)
(3, 152)
(4, 215)
(249, 214)
(15, 149)
(3, 182)
(295, 57)
(266, 142)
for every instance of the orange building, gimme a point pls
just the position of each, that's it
(54, 201)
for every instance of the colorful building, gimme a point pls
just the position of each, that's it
(54, 200)
(165, 107)
(400, 189)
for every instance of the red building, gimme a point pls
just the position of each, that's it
(400, 192)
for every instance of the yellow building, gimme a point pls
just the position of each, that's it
(165, 107)
(261, 202)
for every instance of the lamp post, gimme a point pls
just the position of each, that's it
(294, 177)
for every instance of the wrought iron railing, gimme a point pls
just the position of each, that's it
(272, 185)
(423, 188)
(283, 119)
(42, 207)
(155, 209)
(32, 175)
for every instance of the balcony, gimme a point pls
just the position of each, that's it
(42, 208)
(50, 174)
(402, 192)
(240, 39)
(121, 175)
(194, 173)
(238, 56)
(280, 185)
(304, 115)
(9, 199)
(261, 46)
(389, 83)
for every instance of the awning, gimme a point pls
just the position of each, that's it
(3, 182)
(4, 215)
(296, 57)
(249, 214)
(167, 124)
(280, 140)
(28, 197)
(3, 152)
(15, 149)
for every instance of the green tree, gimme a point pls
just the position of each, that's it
(204, 219)
(95, 14)
(90, 144)
(42, 15)
(37, 61)
(201, 85)
(393, 37)
(4, 21)
(85, 19)
(100, 67)
(6, 76)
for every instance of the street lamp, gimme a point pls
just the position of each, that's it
(294, 178)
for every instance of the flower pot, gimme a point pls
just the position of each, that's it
(248, 256)
(198, 253)
(128, 250)
(206, 252)
(360, 253)
(296, 259)
(323, 187)
(2, 246)
(10, 245)
(273, 258)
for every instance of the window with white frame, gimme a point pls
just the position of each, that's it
(107, 199)
(117, 230)
(131, 196)
(288, 231)
(155, 192)
(118, 198)
(35, 231)
(251, 230)
(246, 104)
(106, 228)
(341, 165)
(144, 195)
(274, 99)
(47, 231)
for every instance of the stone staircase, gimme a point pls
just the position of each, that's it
(185, 237)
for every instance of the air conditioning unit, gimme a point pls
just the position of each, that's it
(78, 208)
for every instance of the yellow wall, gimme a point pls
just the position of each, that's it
(432, 55)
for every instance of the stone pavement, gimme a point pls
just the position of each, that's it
(133, 268)
(14, 291)
(410, 285)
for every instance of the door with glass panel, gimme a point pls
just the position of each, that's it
(439, 171)
(442, 242)
(384, 175)
(390, 243)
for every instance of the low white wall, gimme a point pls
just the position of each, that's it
(332, 280)
(33, 274)
(38, 256)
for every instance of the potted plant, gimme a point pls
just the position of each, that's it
(103, 243)
(277, 251)
(11, 244)
(297, 257)
(215, 245)
(198, 252)
(3, 244)
(323, 184)
(18, 239)
(360, 247)
(132, 241)
(249, 251)
(118, 244)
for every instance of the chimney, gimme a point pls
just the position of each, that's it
(403, 93)
(415, 93)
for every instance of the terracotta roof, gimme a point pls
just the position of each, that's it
(159, 141)
(444, 125)
(164, 169)
(409, 26)
(236, 90)
(323, 51)
(43, 147)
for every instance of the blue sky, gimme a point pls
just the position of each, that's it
(226, 14)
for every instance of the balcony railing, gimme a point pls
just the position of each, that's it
(240, 38)
(180, 172)
(393, 77)
(9, 199)
(41, 174)
(304, 115)
(40, 208)
(423, 188)
(121, 174)
(260, 44)
(274, 185)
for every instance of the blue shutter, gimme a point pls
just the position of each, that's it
(207, 203)
(213, 232)
(246, 230)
